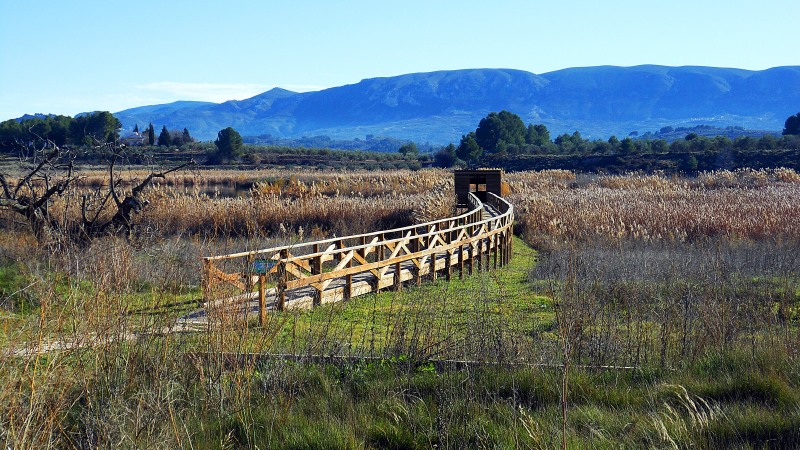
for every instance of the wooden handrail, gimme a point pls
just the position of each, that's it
(425, 248)
(476, 204)
(388, 241)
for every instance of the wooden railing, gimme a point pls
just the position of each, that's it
(336, 269)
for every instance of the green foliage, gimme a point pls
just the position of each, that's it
(94, 128)
(151, 135)
(537, 135)
(792, 126)
(229, 146)
(13, 293)
(164, 139)
(503, 131)
(627, 146)
(409, 150)
(446, 157)
(211, 390)
(89, 129)
(468, 149)
(371, 143)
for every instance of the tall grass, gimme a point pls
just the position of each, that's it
(704, 316)
(731, 205)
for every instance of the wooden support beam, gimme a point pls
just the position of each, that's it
(281, 295)
(480, 255)
(460, 262)
(418, 266)
(496, 240)
(348, 281)
(432, 267)
(262, 307)
(470, 256)
(316, 269)
(448, 269)
(398, 281)
(501, 250)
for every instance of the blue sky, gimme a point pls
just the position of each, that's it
(66, 57)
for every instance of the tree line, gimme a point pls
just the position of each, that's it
(91, 129)
(504, 138)
(500, 139)
(88, 129)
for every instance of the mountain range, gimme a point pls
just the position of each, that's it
(439, 107)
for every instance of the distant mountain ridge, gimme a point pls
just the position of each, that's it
(438, 107)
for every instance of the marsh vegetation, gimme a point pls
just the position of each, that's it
(638, 312)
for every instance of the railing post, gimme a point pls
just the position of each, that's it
(470, 258)
(262, 308)
(398, 282)
(316, 269)
(501, 243)
(206, 279)
(363, 251)
(415, 249)
(348, 280)
(432, 263)
(480, 255)
(281, 289)
(508, 247)
(496, 241)
(505, 247)
(460, 261)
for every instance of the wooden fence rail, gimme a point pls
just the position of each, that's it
(337, 269)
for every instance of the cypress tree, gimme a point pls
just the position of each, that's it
(164, 139)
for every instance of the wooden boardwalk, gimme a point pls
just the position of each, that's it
(333, 270)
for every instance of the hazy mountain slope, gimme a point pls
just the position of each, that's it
(440, 106)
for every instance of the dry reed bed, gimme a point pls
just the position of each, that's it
(627, 310)
(734, 205)
(262, 203)
(364, 181)
(659, 270)
(330, 204)
(266, 214)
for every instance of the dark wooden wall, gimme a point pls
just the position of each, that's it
(493, 179)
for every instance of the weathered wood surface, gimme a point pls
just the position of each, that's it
(337, 269)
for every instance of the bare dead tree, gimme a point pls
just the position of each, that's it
(122, 219)
(31, 195)
(106, 211)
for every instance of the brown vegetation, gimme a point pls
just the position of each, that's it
(556, 208)
(692, 281)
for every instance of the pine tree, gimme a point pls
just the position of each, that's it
(229, 146)
(136, 129)
(151, 134)
(164, 139)
(792, 125)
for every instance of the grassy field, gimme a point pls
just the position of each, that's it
(637, 312)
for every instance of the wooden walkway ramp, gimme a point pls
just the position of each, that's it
(337, 269)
